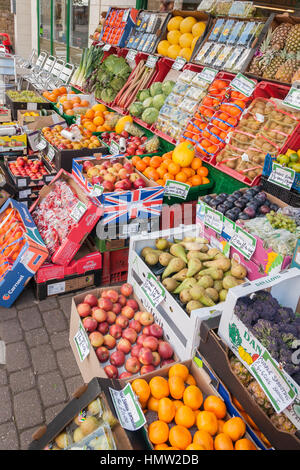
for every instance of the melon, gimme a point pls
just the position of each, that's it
(183, 154)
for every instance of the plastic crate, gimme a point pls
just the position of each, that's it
(270, 90)
(114, 267)
(267, 170)
(289, 197)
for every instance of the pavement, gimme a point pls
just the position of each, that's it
(40, 374)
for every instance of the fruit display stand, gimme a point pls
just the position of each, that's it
(28, 171)
(33, 101)
(216, 353)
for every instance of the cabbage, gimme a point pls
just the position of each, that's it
(148, 103)
(150, 115)
(158, 101)
(143, 95)
(167, 87)
(155, 89)
(108, 95)
(136, 108)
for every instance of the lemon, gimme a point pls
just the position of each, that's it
(198, 29)
(186, 53)
(194, 42)
(173, 51)
(186, 40)
(187, 24)
(174, 23)
(173, 36)
(163, 47)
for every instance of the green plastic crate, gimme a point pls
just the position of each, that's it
(223, 182)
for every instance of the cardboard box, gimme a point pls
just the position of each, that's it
(30, 259)
(25, 182)
(84, 271)
(182, 329)
(14, 143)
(121, 206)
(124, 440)
(282, 390)
(33, 130)
(215, 351)
(15, 105)
(85, 223)
(90, 366)
(5, 114)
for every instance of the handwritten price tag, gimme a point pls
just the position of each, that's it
(128, 409)
(243, 242)
(176, 189)
(114, 148)
(82, 343)
(213, 219)
(51, 153)
(131, 54)
(292, 99)
(243, 84)
(282, 176)
(41, 145)
(106, 47)
(153, 290)
(78, 211)
(179, 63)
(151, 61)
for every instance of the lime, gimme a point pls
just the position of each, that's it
(293, 158)
(296, 167)
(284, 160)
(280, 156)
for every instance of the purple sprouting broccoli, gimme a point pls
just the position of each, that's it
(245, 312)
(288, 328)
(289, 339)
(285, 315)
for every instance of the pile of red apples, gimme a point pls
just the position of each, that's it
(123, 336)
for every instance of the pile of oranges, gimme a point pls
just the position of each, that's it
(161, 169)
(96, 119)
(185, 420)
(11, 239)
(55, 94)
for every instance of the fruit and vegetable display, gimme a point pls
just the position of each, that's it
(127, 341)
(180, 416)
(150, 101)
(91, 429)
(55, 94)
(86, 74)
(277, 58)
(147, 31)
(118, 25)
(291, 159)
(196, 274)
(25, 96)
(131, 144)
(112, 75)
(182, 36)
(55, 136)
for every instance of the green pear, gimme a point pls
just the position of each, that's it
(178, 251)
(170, 284)
(212, 293)
(218, 285)
(220, 263)
(229, 282)
(151, 258)
(162, 244)
(193, 305)
(206, 281)
(215, 273)
(196, 292)
(165, 258)
(188, 283)
(194, 266)
(223, 294)
(198, 254)
(181, 275)
(185, 296)
(175, 265)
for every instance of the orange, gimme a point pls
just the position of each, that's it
(91, 127)
(90, 114)
(235, 428)
(98, 121)
(173, 448)
(244, 444)
(67, 105)
(152, 404)
(141, 389)
(174, 168)
(146, 171)
(193, 397)
(165, 164)
(161, 447)
(99, 107)
(158, 432)
(155, 161)
(168, 176)
(195, 447)
(152, 174)
(190, 380)
(177, 404)
(196, 163)
(202, 171)
(161, 171)
(196, 180)
(167, 156)
(147, 160)
(220, 425)
(100, 129)
(98, 113)
(141, 165)
(160, 182)
(207, 421)
(249, 420)
(185, 416)
(180, 437)
(180, 370)
(166, 410)
(216, 405)
(135, 159)
(223, 442)
(176, 386)
(181, 176)
(159, 387)
(203, 438)
(189, 172)
(205, 180)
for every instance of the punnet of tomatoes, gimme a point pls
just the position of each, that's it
(183, 413)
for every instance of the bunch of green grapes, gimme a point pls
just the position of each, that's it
(278, 220)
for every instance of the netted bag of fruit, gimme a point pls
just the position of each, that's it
(261, 107)
(251, 123)
(241, 139)
(111, 120)
(229, 157)
(266, 145)
(284, 117)
(276, 132)
(248, 169)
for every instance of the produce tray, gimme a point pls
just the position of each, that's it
(15, 105)
(130, 22)
(291, 198)
(114, 267)
(23, 182)
(267, 170)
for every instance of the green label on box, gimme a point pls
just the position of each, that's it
(213, 219)
(128, 409)
(243, 242)
(292, 99)
(51, 153)
(208, 74)
(131, 54)
(151, 61)
(282, 176)
(176, 189)
(153, 290)
(179, 63)
(114, 148)
(78, 211)
(82, 343)
(243, 84)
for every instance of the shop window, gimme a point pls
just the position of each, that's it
(45, 26)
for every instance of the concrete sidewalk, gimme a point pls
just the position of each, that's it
(41, 373)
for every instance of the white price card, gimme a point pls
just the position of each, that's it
(213, 219)
(131, 54)
(106, 47)
(57, 288)
(282, 176)
(273, 382)
(228, 226)
(243, 242)
(97, 190)
(292, 99)
(176, 189)
(208, 74)
(114, 148)
(21, 183)
(128, 408)
(32, 106)
(179, 63)
(82, 343)
(153, 290)
(243, 84)
(51, 153)
(151, 61)
(42, 144)
(78, 211)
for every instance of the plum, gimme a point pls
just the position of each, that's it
(228, 205)
(207, 199)
(240, 204)
(250, 212)
(264, 209)
(221, 208)
(244, 216)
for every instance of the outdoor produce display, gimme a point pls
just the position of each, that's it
(58, 137)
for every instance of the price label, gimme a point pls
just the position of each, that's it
(179, 63)
(114, 148)
(228, 227)
(82, 343)
(176, 189)
(243, 84)
(51, 153)
(292, 99)
(282, 176)
(260, 117)
(78, 211)
(151, 61)
(128, 409)
(213, 219)
(97, 190)
(131, 54)
(32, 106)
(130, 229)
(153, 290)
(60, 108)
(243, 242)
(245, 157)
(41, 145)
(24, 194)
(21, 183)
(106, 47)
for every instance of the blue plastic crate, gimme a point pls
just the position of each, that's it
(267, 170)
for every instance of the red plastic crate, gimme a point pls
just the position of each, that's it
(270, 90)
(114, 267)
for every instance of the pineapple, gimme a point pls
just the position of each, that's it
(292, 43)
(256, 66)
(240, 371)
(287, 70)
(272, 61)
(296, 76)
(259, 396)
(280, 35)
(281, 422)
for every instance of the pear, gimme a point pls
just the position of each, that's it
(175, 265)
(185, 296)
(201, 240)
(196, 292)
(220, 263)
(192, 246)
(151, 258)
(198, 254)
(188, 239)
(215, 273)
(178, 251)
(204, 248)
(181, 275)
(162, 244)
(212, 252)
(146, 250)
(206, 300)
(223, 295)
(206, 281)
(193, 305)
(165, 258)
(212, 293)
(170, 284)
(218, 285)
(188, 283)
(194, 266)
(238, 271)
(229, 282)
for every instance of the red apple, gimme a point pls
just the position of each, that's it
(136, 350)
(122, 321)
(103, 327)
(91, 300)
(137, 316)
(86, 165)
(128, 312)
(102, 353)
(115, 331)
(124, 345)
(126, 289)
(150, 342)
(122, 300)
(124, 375)
(140, 339)
(84, 309)
(166, 362)
(112, 295)
(109, 341)
(155, 358)
(145, 356)
(96, 339)
(147, 369)
(117, 358)
(165, 350)
(130, 334)
(108, 186)
(111, 372)
(146, 331)
(105, 303)
(156, 330)
(99, 314)
(90, 324)
(135, 325)
(146, 318)
(111, 317)
(133, 304)
(139, 183)
(97, 179)
(117, 308)
(132, 365)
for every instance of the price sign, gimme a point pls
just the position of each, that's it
(51, 153)
(213, 219)
(153, 290)
(82, 343)
(114, 148)
(131, 54)
(228, 227)
(31, 106)
(243, 242)
(282, 176)
(128, 409)
(176, 189)
(106, 47)
(243, 84)
(292, 99)
(78, 211)
(97, 190)
(41, 145)
(179, 63)
(151, 61)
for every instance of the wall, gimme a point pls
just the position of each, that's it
(7, 20)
